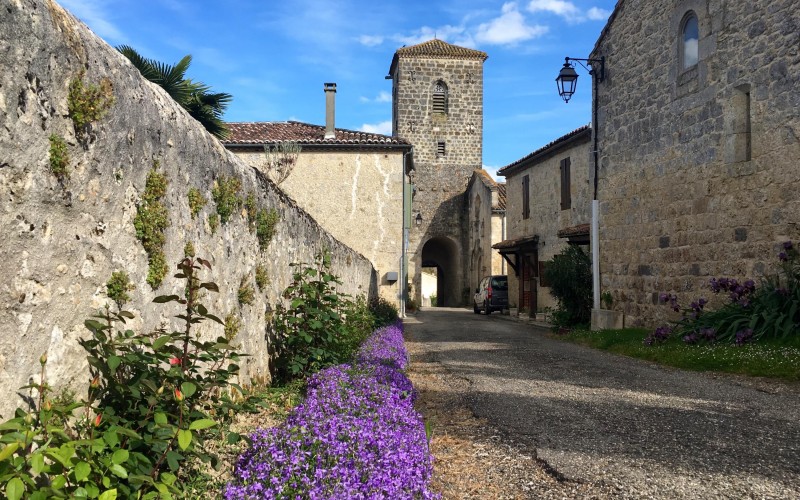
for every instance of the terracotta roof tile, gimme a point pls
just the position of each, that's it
(259, 133)
(440, 48)
(579, 230)
(501, 196)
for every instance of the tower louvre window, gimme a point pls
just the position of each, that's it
(440, 97)
(441, 149)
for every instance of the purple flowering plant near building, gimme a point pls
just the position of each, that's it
(770, 310)
(356, 435)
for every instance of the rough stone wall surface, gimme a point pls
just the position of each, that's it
(355, 195)
(479, 234)
(61, 243)
(546, 216)
(680, 199)
(498, 223)
(440, 181)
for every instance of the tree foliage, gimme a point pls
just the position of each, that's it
(203, 105)
(570, 277)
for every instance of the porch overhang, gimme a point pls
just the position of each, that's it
(576, 235)
(513, 250)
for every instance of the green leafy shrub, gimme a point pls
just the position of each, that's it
(226, 195)
(59, 158)
(153, 401)
(359, 324)
(88, 103)
(251, 206)
(384, 312)
(188, 249)
(262, 277)
(196, 201)
(232, 326)
(266, 220)
(117, 288)
(570, 277)
(311, 332)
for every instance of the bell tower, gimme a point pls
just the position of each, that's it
(437, 106)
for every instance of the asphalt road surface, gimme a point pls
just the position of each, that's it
(651, 431)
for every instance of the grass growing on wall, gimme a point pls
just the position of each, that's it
(150, 222)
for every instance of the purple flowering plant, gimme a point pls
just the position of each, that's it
(771, 309)
(356, 435)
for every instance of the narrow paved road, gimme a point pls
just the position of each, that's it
(596, 417)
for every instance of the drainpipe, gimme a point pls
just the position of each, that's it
(595, 207)
(330, 110)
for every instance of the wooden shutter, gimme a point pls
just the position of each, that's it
(566, 194)
(526, 197)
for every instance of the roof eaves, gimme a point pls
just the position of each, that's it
(578, 134)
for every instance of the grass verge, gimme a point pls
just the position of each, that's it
(766, 358)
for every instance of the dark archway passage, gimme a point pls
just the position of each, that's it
(442, 253)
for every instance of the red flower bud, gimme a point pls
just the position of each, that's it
(95, 383)
(178, 395)
(97, 419)
(174, 361)
(47, 406)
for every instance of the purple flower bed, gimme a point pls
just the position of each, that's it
(356, 435)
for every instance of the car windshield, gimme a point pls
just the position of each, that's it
(500, 283)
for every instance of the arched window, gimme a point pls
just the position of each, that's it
(690, 38)
(440, 97)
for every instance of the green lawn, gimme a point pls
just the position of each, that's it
(774, 359)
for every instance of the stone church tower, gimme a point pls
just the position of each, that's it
(437, 106)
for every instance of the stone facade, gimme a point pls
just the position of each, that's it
(356, 193)
(486, 226)
(552, 221)
(437, 106)
(698, 172)
(62, 241)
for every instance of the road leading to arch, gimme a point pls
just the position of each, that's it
(598, 418)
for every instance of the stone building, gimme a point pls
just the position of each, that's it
(548, 207)
(486, 225)
(351, 182)
(437, 105)
(698, 130)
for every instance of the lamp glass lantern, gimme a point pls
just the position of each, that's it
(567, 81)
(418, 219)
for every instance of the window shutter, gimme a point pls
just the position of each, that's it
(526, 209)
(439, 98)
(566, 194)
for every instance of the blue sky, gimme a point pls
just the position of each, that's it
(274, 56)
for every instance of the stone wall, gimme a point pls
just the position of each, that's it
(440, 181)
(62, 242)
(356, 195)
(546, 217)
(681, 198)
(485, 228)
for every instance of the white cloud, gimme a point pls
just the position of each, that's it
(493, 172)
(597, 14)
(384, 128)
(370, 40)
(446, 33)
(383, 96)
(568, 11)
(93, 13)
(509, 28)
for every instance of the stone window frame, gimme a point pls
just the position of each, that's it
(441, 149)
(687, 80)
(440, 97)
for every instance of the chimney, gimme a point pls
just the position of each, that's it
(330, 110)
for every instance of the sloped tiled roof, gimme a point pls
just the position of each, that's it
(440, 48)
(579, 230)
(501, 196)
(584, 132)
(259, 133)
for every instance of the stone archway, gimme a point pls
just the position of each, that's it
(443, 254)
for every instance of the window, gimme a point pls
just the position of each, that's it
(526, 197)
(440, 149)
(566, 196)
(691, 37)
(440, 97)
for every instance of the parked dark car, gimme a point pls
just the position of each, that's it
(491, 294)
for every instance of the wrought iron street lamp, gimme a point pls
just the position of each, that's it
(567, 79)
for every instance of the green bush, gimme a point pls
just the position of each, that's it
(153, 401)
(570, 277)
(196, 201)
(88, 103)
(311, 332)
(266, 220)
(384, 312)
(262, 277)
(59, 158)
(150, 222)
